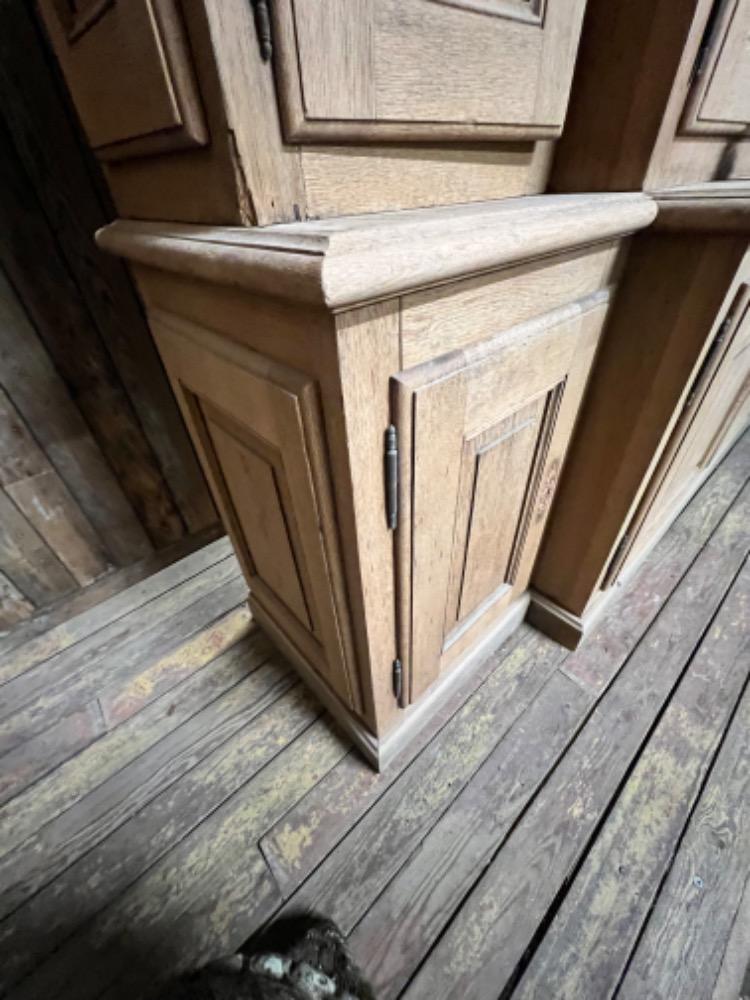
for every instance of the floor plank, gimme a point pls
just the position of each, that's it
(303, 838)
(499, 921)
(608, 902)
(170, 787)
(681, 952)
(29, 704)
(56, 628)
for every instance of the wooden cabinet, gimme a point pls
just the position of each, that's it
(382, 405)
(246, 113)
(661, 97)
(670, 393)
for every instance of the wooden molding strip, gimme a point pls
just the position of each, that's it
(343, 262)
(720, 207)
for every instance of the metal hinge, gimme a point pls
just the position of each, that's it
(391, 477)
(263, 28)
(398, 680)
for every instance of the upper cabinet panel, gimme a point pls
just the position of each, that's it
(425, 69)
(128, 65)
(719, 99)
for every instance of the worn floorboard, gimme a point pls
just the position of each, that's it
(575, 825)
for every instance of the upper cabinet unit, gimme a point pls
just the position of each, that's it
(422, 70)
(661, 97)
(251, 113)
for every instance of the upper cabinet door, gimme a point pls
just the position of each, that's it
(425, 69)
(719, 99)
(128, 66)
(483, 434)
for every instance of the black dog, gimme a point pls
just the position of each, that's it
(302, 958)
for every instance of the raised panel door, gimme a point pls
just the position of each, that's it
(425, 69)
(483, 435)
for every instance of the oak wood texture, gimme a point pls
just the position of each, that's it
(226, 800)
(674, 295)
(288, 396)
(635, 74)
(370, 70)
(200, 138)
(718, 100)
(488, 429)
(130, 70)
(722, 207)
(344, 262)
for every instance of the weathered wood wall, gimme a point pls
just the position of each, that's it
(96, 468)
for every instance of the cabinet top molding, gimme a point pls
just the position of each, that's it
(722, 207)
(343, 262)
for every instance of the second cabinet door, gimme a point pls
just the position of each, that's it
(427, 69)
(483, 433)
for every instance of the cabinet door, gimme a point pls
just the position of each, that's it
(128, 66)
(425, 69)
(483, 434)
(716, 409)
(719, 98)
(257, 428)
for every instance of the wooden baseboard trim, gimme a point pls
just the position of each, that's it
(555, 621)
(380, 751)
(352, 725)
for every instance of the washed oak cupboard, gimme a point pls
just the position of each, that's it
(379, 354)
(382, 405)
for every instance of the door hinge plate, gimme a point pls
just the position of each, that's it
(263, 28)
(398, 680)
(391, 476)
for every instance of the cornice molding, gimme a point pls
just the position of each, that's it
(718, 207)
(344, 262)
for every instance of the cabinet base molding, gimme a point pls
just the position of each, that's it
(381, 751)
(555, 621)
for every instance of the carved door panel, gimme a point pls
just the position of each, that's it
(257, 427)
(716, 409)
(429, 69)
(128, 65)
(719, 99)
(483, 434)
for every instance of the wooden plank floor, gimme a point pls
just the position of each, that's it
(577, 825)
